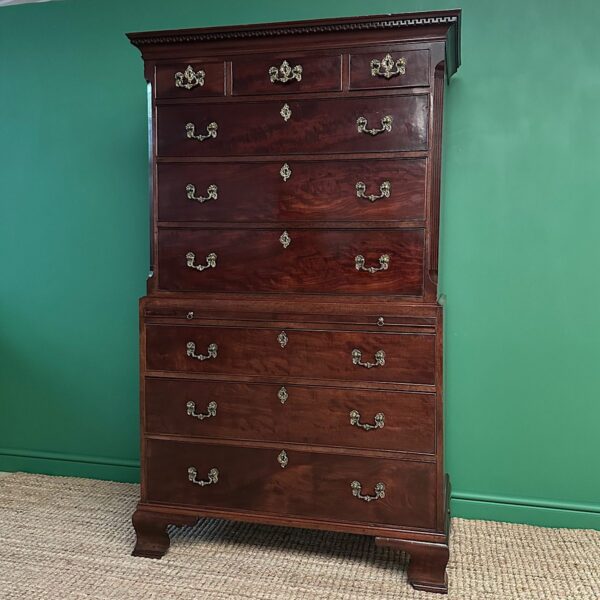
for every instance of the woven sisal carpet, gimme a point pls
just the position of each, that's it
(65, 539)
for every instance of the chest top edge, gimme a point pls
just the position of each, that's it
(409, 27)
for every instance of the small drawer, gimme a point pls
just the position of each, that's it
(190, 80)
(292, 260)
(320, 416)
(286, 74)
(350, 191)
(391, 68)
(296, 351)
(284, 481)
(298, 126)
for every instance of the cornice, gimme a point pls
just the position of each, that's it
(382, 22)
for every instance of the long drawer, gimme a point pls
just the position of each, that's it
(322, 416)
(327, 190)
(298, 351)
(312, 127)
(312, 485)
(292, 261)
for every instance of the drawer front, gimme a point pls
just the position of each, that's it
(324, 190)
(315, 126)
(321, 416)
(310, 484)
(284, 74)
(292, 261)
(302, 353)
(393, 68)
(190, 80)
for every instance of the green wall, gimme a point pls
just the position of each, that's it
(519, 246)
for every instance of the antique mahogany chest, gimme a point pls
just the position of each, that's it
(291, 338)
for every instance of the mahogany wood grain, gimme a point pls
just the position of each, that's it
(436, 125)
(311, 289)
(316, 191)
(313, 353)
(439, 27)
(214, 80)
(320, 73)
(315, 261)
(427, 566)
(152, 539)
(397, 311)
(305, 415)
(262, 518)
(416, 68)
(428, 558)
(311, 485)
(315, 127)
(273, 312)
(173, 315)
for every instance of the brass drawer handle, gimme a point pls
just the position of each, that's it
(388, 67)
(191, 351)
(285, 73)
(357, 359)
(384, 263)
(212, 192)
(385, 189)
(211, 129)
(211, 261)
(211, 410)
(357, 487)
(189, 78)
(213, 477)
(355, 420)
(386, 125)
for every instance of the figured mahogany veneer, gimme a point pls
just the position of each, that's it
(291, 339)
(311, 484)
(213, 80)
(284, 412)
(255, 260)
(409, 358)
(417, 74)
(316, 191)
(315, 126)
(320, 73)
